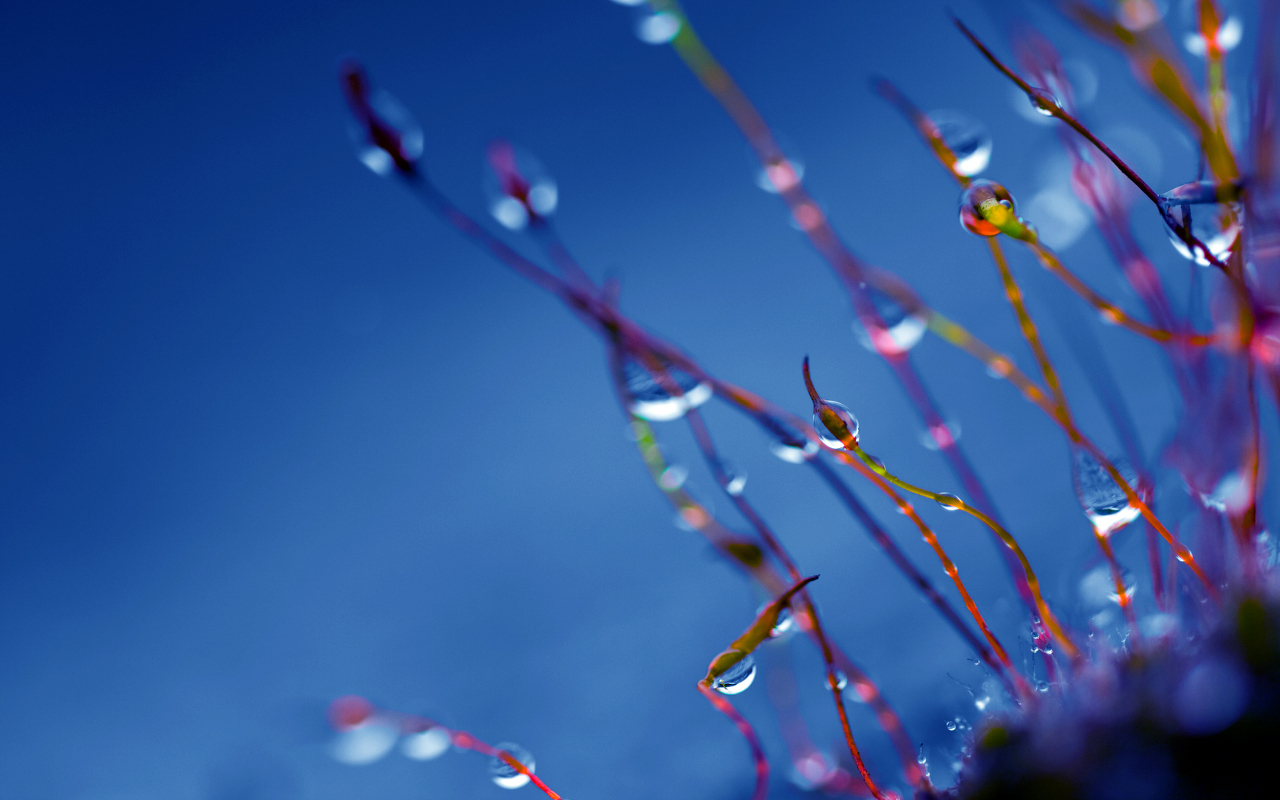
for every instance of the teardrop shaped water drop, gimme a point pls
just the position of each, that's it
(650, 400)
(1105, 504)
(967, 139)
(1210, 212)
(978, 199)
(832, 438)
(507, 776)
(736, 679)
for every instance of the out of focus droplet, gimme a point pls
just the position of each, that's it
(967, 138)
(794, 453)
(657, 28)
(978, 198)
(649, 400)
(1136, 15)
(507, 776)
(1105, 504)
(1211, 696)
(1059, 217)
(426, 745)
(673, 477)
(736, 679)
(1216, 224)
(399, 122)
(940, 435)
(364, 743)
(737, 480)
(786, 621)
(780, 175)
(1228, 36)
(902, 330)
(518, 188)
(842, 681)
(829, 437)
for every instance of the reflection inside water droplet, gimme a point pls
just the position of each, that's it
(651, 401)
(507, 776)
(949, 501)
(1195, 206)
(736, 679)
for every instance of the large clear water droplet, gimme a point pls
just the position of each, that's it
(426, 745)
(736, 679)
(398, 129)
(1105, 503)
(967, 138)
(649, 400)
(516, 185)
(507, 776)
(903, 330)
(1200, 206)
(830, 437)
(980, 196)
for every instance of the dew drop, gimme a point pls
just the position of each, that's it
(1216, 224)
(673, 477)
(980, 197)
(940, 435)
(902, 329)
(780, 175)
(737, 480)
(426, 745)
(1043, 101)
(951, 725)
(657, 28)
(794, 453)
(949, 501)
(1228, 36)
(517, 187)
(920, 759)
(395, 128)
(785, 625)
(364, 743)
(505, 775)
(1105, 504)
(1138, 15)
(649, 400)
(842, 681)
(736, 679)
(829, 437)
(1042, 687)
(967, 138)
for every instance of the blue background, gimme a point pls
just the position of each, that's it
(272, 434)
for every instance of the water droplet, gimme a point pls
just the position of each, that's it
(657, 28)
(507, 776)
(949, 501)
(920, 759)
(1211, 696)
(1228, 36)
(981, 197)
(1138, 15)
(630, 2)
(1231, 495)
(736, 679)
(391, 133)
(673, 477)
(832, 438)
(651, 401)
(737, 480)
(878, 464)
(902, 329)
(1043, 101)
(967, 138)
(951, 725)
(940, 435)
(782, 173)
(364, 743)
(1216, 224)
(795, 451)
(1105, 503)
(785, 625)
(426, 745)
(518, 188)
(1042, 687)
(1060, 218)
(842, 681)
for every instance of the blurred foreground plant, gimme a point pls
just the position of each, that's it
(1184, 701)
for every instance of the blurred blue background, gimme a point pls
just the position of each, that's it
(272, 434)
